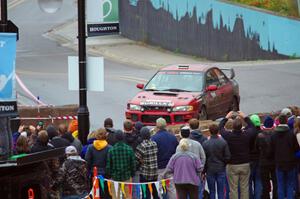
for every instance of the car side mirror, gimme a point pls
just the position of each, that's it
(212, 88)
(140, 86)
(232, 73)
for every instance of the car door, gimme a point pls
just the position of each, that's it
(213, 98)
(225, 90)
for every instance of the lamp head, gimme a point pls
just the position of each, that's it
(50, 6)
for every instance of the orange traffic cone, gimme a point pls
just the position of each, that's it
(96, 187)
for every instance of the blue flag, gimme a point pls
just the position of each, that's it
(7, 66)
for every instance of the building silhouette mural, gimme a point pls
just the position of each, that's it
(210, 29)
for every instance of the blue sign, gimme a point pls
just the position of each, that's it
(7, 66)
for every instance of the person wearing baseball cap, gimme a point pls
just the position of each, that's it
(72, 177)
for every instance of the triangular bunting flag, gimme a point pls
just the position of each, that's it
(102, 183)
(157, 189)
(130, 189)
(123, 189)
(163, 183)
(138, 187)
(144, 189)
(150, 188)
(109, 188)
(116, 186)
(168, 183)
(96, 189)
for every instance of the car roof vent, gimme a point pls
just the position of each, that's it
(183, 67)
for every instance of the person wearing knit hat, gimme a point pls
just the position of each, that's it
(287, 112)
(255, 186)
(268, 123)
(146, 155)
(73, 128)
(52, 131)
(255, 120)
(138, 126)
(266, 161)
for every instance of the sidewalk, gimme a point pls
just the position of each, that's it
(118, 48)
(121, 49)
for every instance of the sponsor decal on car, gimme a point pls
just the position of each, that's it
(157, 103)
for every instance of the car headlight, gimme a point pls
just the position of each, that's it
(183, 108)
(134, 107)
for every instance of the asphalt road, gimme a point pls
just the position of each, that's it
(42, 65)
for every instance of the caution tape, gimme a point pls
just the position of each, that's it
(66, 117)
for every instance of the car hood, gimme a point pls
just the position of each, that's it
(164, 98)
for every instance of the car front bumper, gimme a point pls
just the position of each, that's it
(149, 117)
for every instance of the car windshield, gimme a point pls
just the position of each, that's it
(176, 81)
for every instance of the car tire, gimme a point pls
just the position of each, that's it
(203, 114)
(235, 105)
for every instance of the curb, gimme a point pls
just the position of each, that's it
(14, 3)
(66, 42)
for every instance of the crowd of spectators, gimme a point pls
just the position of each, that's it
(243, 157)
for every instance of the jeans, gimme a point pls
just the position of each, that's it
(227, 190)
(267, 174)
(285, 183)
(218, 178)
(255, 186)
(238, 176)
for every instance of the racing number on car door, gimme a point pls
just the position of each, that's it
(213, 97)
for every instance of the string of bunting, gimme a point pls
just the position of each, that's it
(99, 183)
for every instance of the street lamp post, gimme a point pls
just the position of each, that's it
(3, 23)
(51, 6)
(83, 112)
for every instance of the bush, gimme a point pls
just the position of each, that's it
(282, 7)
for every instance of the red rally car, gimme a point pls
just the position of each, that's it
(181, 92)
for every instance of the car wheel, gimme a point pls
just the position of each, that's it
(235, 105)
(203, 114)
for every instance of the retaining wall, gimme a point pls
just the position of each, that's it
(209, 28)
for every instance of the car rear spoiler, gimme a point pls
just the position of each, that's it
(229, 72)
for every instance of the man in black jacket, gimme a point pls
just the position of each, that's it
(284, 146)
(217, 156)
(266, 161)
(239, 140)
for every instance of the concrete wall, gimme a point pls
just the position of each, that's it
(210, 28)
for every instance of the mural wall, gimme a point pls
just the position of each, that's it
(210, 28)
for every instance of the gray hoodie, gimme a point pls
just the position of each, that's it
(196, 148)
